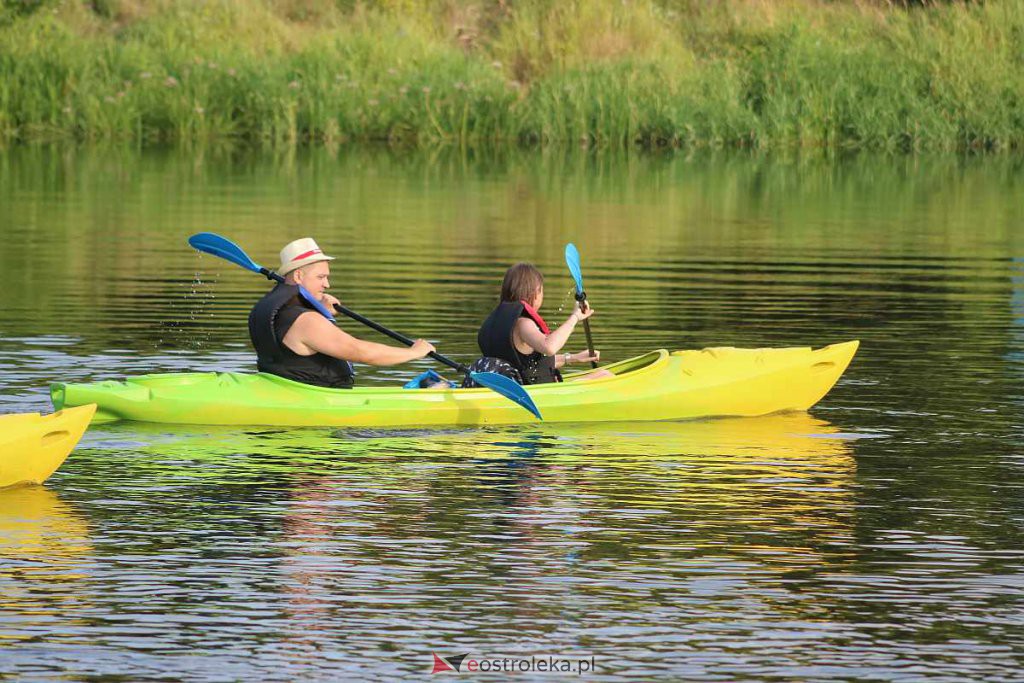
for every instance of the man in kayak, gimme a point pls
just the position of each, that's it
(515, 334)
(294, 341)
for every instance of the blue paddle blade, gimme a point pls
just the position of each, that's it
(507, 387)
(211, 243)
(572, 259)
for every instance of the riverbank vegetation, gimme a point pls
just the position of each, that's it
(747, 73)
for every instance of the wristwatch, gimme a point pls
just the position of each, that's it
(567, 357)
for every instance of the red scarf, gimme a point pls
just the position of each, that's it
(535, 317)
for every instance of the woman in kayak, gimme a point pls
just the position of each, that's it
(515, 334)
(293, 341)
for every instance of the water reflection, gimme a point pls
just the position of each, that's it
(344, 530)
(789, 476)
(45, 553)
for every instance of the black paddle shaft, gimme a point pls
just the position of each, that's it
(400, 338)
(271, 275)
(582, 298)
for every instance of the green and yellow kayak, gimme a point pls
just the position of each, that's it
(33, 446)
(713, 382)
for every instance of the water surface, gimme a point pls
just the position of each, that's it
(878, 537)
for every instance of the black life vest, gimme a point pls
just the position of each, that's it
(495, 341)
(269, 322)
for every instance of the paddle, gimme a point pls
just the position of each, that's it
(572, 259)
(211, 243)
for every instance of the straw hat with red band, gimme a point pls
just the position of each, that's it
(301, 252)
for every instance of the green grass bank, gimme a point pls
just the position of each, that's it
(750, 73)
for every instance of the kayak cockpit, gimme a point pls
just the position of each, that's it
(624, 367)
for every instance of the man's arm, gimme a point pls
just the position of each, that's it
(311, 332)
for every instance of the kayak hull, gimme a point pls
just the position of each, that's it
(713, 382)
(33, 446)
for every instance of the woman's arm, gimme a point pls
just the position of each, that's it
(563, 359)
(527, 331)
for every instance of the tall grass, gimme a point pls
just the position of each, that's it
(597, 72)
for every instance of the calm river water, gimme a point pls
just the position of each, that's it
(880, 537)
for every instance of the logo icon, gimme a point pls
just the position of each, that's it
(442, 664)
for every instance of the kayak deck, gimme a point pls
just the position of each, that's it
(713, 382)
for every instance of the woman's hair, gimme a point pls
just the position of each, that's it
(522, 281)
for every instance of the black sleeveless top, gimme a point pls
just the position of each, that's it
(495, 341)
(269, 321)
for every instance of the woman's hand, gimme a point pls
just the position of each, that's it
(585, 357)
(579, 314)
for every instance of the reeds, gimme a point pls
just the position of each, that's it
(596, 72)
